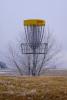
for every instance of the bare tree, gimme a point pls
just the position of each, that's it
(14, 61)
(24, 63)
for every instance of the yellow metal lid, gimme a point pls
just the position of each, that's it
(38, 22)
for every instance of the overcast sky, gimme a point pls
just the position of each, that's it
(13, 12)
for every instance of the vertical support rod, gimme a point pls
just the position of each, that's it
(34, 63)
(34, 51)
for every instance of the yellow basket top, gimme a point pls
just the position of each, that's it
(30, 22)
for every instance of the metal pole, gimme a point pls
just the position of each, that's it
(34, 63)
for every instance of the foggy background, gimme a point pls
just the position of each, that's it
(13, 12)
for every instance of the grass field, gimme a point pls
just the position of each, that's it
(33, 88)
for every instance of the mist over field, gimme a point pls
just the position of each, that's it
(13, 12)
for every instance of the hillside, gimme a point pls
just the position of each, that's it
(49, 72)
(33, 88)
(54, 72)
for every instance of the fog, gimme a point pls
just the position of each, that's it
(13, 12)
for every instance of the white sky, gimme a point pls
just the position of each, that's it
(13, 12)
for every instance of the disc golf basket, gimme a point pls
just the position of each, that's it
(34, 31)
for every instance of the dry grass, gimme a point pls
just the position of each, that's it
(33, 88)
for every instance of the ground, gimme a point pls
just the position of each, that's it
(33, 88)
